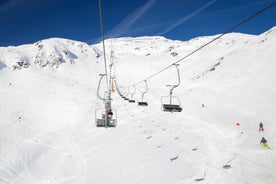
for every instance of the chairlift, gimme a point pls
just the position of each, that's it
(171, 103)
(119, 92)
(126, 94)
(142, 102)
(131, 100)
(122, 93)
(126, 97)
(105, 117)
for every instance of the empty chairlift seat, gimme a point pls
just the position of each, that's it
(143, 102)
(131, 100)
(171, 103)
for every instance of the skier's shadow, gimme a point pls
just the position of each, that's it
(203, 177)
(196, 148)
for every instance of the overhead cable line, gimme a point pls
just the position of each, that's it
(204, 45)
(102, 31)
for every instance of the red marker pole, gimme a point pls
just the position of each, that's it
(238, 125)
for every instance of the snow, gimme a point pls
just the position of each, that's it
(48, 102)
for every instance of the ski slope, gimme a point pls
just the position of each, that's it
(48, 100)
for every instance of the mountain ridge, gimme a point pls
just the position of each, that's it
(60, 50)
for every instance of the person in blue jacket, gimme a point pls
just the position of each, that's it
(261, 127)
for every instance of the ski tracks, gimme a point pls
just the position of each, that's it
(39, 150)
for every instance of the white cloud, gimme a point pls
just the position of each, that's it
(125, 24)
(10, 4)
(183, 19)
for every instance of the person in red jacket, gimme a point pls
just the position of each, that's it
(109, 113)
(261, 127)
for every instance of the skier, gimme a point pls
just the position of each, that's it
(261, 127)
(109, 114)
(264, 143)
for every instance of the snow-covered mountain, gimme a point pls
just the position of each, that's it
(48, 102)
(52, 52)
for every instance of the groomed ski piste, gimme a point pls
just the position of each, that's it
(48, 101)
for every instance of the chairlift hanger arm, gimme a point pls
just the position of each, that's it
(143, 93)
(176, 65)
(102, 76)
(178, 77)
(134, 89)
(146, 86)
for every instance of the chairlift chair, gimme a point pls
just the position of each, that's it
(131, 100)
(142, 102)
(104, 120)
(171, 107)
(173, 103)
(126, 97)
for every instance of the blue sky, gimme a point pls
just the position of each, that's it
(27, 21)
